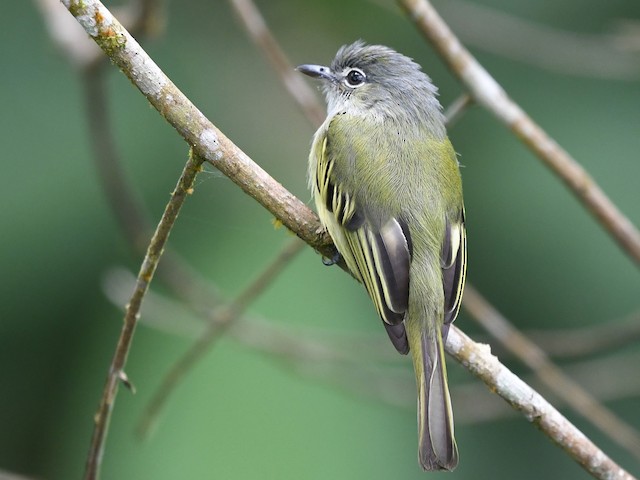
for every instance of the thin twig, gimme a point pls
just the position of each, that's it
(478, 360)
(116, 370)
(488, 93)
(559, 383)
(454, 112)
(219, 322)
(256, 28)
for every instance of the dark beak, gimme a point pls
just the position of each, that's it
(317, 71)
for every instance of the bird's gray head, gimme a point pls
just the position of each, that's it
(375, 79)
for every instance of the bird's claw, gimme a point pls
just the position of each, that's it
(333, 260)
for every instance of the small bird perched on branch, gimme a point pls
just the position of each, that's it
(387, 187)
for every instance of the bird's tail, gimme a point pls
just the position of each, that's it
(437, 447)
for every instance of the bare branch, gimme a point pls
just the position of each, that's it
(473, 404)
(147, 269)
(488, 93)
(478, 360)
(552, 377)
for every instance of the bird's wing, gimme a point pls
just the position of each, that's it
(454, 267)
(378, 253)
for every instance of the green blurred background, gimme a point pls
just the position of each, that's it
(533, 251)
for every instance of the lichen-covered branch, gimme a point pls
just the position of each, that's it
(551, 376)
(193, 126)
(477, 358)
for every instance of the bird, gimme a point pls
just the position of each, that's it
(387, 187)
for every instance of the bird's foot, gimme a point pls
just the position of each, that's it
(333, 260)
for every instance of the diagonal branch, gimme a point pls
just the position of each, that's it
(553, 377)
(475, 406)
(488, 93)
(147, 270)
(478, 360)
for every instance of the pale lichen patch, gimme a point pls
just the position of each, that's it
(209, 140)
(146, 74)
(89, 23)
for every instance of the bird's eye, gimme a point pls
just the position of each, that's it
(355, 78)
